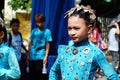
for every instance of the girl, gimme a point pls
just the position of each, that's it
(80, 60)
(9, 68)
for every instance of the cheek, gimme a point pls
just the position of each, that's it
(81, 32)
(68, 32)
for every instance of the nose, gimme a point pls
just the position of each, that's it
(39, 24)
(72, 32)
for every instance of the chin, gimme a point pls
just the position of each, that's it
(76, 40)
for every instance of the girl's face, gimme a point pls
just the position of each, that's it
(77, 28)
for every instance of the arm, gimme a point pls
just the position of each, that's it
(47, 51)
(28, 53)
(13, 72)
(105, 66)
(29, 46)
(118, 29)
(48, 39)
(55, 70)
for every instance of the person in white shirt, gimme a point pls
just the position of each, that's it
(113, 44)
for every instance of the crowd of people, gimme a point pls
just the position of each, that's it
(81, 59)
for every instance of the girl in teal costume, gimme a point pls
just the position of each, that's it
(81, 58)
(9, 68)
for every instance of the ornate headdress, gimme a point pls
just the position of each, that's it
(82, 9)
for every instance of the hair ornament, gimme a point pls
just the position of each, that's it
(85, 9)
(69, 12)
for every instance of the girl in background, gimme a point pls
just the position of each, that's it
(9, 68)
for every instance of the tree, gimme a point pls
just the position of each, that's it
(21, 4)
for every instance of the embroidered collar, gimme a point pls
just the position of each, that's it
(82, 43)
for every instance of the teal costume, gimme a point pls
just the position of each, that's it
(79, 61)
(9, 68)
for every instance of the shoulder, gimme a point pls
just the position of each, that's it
(6, 47)
(113, 29)
(35, 29)
(62, 49)
(95, 50)
(47, 30)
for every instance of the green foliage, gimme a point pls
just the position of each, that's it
(20, 4)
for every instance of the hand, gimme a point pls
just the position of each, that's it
(116, 24)
(45, 60)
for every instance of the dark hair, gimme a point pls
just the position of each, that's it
(82, 14)
(3, 28)
(98, 25)
(14, 21)
(40, 18)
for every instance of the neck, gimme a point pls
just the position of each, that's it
(41, 28)
(82, 43)
(14, 33)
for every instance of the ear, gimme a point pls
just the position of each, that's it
(2, 35)
(90, 29)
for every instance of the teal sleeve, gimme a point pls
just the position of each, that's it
(49, 36)
(55, 70)
(108, 70)
(13, 72)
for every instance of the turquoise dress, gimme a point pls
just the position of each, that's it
(9, 68)
(79, 61)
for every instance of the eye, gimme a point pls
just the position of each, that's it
(76, 28)
(69, 28)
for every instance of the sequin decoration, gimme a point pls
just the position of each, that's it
(71, 69)
(87, 73)
(82, 63)
(75, 51)
(90, 60)
(76, 78)
(73, 58)
(86, 50)
(67, 61)
(67, 50)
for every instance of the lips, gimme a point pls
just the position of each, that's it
(73, 38)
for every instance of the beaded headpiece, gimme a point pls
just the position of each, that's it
(80, 10)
